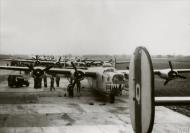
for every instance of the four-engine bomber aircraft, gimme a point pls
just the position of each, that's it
(170, 74)
(104, 78)
(166, 74)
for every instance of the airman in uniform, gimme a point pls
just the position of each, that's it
(57, 80)
(52, 83)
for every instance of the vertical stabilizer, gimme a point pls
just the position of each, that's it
(114, 61)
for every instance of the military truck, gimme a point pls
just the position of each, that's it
(17, 81)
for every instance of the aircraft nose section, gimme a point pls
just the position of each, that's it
(117, 78)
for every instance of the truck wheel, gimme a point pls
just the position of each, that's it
(17, 86)
(27, 84)
(10, 85)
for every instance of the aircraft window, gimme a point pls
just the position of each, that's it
(109, 70)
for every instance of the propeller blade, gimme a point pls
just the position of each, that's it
(180, 76)
(166, 82)
(74, 66)
(47, 68)
(30, 67)
(170, 64)
(59, 59)
(36, 63)
(75, 81)
(72, 83)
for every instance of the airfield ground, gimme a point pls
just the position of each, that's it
(27, 110)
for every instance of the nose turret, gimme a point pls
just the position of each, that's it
(118, 79)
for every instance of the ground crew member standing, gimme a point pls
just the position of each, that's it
(45, 80)
(78, 87)
(57, 80)
(52, 83)
(37, 82)
(40, 82)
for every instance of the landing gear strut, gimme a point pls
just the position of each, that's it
(112, 95)
(70, 90)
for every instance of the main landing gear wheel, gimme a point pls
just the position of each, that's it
(112, 95)
(70, 90)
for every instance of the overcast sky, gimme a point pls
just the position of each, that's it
(94, 26)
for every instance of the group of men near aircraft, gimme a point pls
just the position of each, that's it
(38, 81)
(53, 79)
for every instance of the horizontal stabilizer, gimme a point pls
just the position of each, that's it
(160, 101)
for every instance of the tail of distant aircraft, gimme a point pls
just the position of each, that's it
(114, 61)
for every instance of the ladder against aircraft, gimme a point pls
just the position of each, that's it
(142, 101)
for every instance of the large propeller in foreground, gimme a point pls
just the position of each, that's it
(172, 74)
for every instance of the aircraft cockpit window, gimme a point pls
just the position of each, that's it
(109, 70)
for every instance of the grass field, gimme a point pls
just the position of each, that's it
(177, 87)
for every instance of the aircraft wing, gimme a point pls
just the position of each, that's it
(165, 71)
(68, 72)
(20, 60)
(182, 70)
(124, 71)
(31, 61)
(52, 70)
(60, 71)
(157, 71)
(163, 101)
(90, 74)
(15, 68)
(122, 62)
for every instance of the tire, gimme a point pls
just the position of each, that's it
(17, 86)
(70, 90)
(27, 84)
(112, 97)
(10, 85)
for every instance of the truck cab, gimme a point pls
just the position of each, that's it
(17, 81)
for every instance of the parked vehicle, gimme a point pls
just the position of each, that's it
(17, 81)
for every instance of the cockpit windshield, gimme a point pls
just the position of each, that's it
(109, 70)
(117, 78)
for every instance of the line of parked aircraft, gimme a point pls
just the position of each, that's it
(61, 62)
(101, 75)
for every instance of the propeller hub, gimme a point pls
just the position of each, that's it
(57, 63)
(79, 75)
(37, 62)
(38, 72)
(172, 74)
